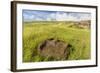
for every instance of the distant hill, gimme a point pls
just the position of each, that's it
(79, 24)
(85, 23)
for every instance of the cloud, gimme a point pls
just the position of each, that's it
(51, 16)
(36, 15)
(48, 19)
(80, 16)
(85, 17)
(28, 16)
(38, 19)
(61, 16)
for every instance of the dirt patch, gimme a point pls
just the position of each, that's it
(56, 49)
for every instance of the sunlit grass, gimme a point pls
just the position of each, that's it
(35, 33)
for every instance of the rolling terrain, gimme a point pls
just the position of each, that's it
(77, 34)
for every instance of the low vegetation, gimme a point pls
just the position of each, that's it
(71, 33)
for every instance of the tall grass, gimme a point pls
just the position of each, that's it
(35, 33)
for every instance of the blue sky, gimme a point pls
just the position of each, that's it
(36, 15)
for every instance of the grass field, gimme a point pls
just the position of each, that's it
(36, 32)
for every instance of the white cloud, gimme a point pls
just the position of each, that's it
(65, 17)
(32, 17)
(28, 17)
(72, 18)
(85, 17)
(48, 19)
(61, 16)
(38, 19)
(52, 15)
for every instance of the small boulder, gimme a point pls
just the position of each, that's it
(57, 49)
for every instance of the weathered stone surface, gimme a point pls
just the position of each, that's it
(56, 49)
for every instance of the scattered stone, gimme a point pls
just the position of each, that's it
(57, 49)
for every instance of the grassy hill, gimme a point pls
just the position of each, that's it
(36, 32)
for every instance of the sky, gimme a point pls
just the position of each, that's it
(37, 15)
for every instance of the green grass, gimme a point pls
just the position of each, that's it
(36, 32)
